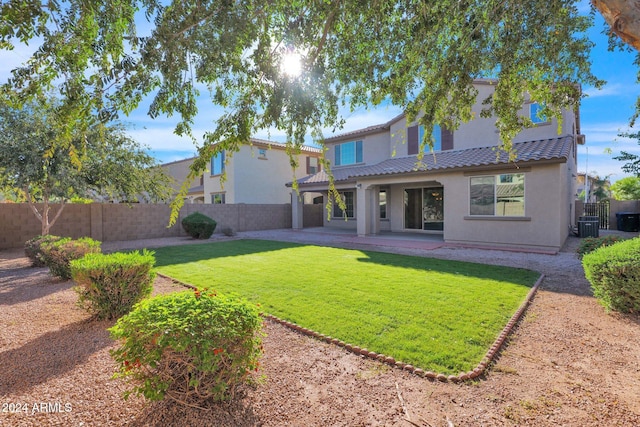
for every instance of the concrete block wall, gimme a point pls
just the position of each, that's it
(18, 223)
(109, 222)
(615, 206)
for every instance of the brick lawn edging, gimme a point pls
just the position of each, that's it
(464, 376)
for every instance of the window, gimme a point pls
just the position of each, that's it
(348, 153)
(497, 195)
(442, 139)
(262, 153)
(313, 165)
(217, 164)
(383, 204)
(534, 113)
(217, 199)
(347, 198)
(436, 138)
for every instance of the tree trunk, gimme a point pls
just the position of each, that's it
(44, 215)
(623, 16)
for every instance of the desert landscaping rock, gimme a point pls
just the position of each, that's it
(566, 362)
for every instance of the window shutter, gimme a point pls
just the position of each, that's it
(337, 148)
(447, 138)
(308, 165)
(412, 140)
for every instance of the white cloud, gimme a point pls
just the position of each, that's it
(611, 89)
(162, 139)
(606, 135)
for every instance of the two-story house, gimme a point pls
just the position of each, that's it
(178, 171)
(467, 190)
(256, 174)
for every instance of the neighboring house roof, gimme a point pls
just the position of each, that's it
(261, 143)
(554, 150)
(281, 145)
(178, 161)
(198, 189)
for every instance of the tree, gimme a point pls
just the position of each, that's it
(626, 188)
(102, 162)
(421, 56)
(633, 160)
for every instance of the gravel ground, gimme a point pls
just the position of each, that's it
(567, 362)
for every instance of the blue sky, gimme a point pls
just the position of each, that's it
(604, 113)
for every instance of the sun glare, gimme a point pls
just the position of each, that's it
(291, 64)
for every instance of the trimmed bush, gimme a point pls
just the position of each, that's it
(58, 254)
(33, 248)
(590, 244)
(108, 286)
(188, 346)
(228, 231)
(199, 226)
(614, 274)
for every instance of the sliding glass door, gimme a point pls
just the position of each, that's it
(424, 208)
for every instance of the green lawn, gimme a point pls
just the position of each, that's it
(437, 315)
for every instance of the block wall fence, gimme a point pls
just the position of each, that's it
(111, 222)
(615, 206)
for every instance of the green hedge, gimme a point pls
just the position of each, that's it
(108, 286)
(590, 244)
(614, 274)
(188, 346)
(198, 226)
(57, 255)
(33, 248)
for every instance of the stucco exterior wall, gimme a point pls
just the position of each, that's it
(179, 171)
(544, 226)
(255, 179)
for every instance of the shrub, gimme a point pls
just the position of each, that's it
(58, 254)
(33, 248)
(188, 346)
(590, 244)
(228, 231)
(614, 274)
(109, 285)
(198, 226)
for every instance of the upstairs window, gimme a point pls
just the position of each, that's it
(535, 113)
(442, 139)
(436, 138)
(217, 164)
(348, 153)
(313, 165)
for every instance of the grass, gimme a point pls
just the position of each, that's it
(435, 314)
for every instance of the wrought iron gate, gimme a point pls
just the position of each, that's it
(599, 209)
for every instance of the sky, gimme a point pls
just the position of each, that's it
(603, 113)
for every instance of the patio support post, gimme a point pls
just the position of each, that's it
(363, 210)
(375, 210)
(297, 210)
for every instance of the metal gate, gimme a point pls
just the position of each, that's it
(599, 209)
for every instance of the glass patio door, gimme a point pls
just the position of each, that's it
(424, 208)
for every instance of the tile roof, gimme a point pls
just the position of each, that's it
(365, 131)
(196, 190)
(282, 145)
(555, 149)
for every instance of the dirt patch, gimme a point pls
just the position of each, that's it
(566, 363)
